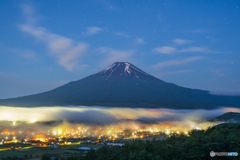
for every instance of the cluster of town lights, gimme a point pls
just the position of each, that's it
(108, 133)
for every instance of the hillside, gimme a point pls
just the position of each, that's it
(227, 117)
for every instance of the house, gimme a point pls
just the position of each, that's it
(12, 148)
(54, 145)
(84, 148)
(115, 144)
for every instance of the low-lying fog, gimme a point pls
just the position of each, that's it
(118, 118)
(107, 115)
(45, 123)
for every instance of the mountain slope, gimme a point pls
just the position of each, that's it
(227, 117)
(124, 85)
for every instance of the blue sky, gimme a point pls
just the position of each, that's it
(44, 44)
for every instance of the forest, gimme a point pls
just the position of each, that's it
(196, 145)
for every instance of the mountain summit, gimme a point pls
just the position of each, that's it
(122, 69)
(124, 85)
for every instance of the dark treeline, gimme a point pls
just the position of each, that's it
(198, 145)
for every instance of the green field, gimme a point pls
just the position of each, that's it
(37, 151)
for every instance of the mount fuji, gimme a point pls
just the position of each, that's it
(124, 85)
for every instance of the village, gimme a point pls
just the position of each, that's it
(65, 144)
(34, 139)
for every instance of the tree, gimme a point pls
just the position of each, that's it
(25, 156)
(91, 155)
(45, 157)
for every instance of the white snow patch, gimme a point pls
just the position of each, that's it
(106, 69)
(127, 68)
(113, 71)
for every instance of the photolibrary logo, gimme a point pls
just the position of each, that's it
(212, 153)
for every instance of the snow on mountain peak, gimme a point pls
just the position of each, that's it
(121, 68)
(127, 67)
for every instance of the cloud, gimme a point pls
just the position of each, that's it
(93, 30)
(173, 119)
(219, 72)
(165, 50)
(172, 50)
(174, 72)
(122, 34)
(195, 31)
(26, 54)
(65, 50)
(196, 49)
(14, 86)
(177, 62)
(109, 6)
(87, 117)
(181, 41)
(139, 41)
(116, 55)
(6, 75)
(29, 14)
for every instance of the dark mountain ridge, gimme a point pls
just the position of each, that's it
(227, 117)
(124, 85)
